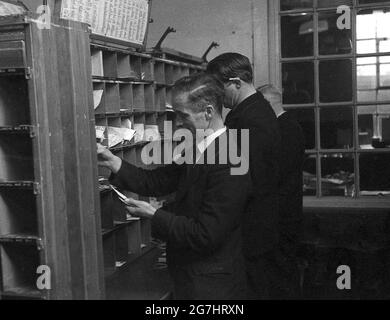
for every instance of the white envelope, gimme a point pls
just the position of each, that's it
(100, 132)
(97, 98)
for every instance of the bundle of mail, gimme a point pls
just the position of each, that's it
(115, 136)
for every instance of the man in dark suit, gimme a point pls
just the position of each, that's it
(285, 279)
(203, 227)
(251, 111)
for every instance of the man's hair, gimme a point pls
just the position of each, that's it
(231, 65)
(201, 90)
(273, 94)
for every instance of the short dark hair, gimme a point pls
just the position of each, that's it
(231, 65)
(201, 89)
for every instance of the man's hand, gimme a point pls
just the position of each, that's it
(108, 160)
(140, 209)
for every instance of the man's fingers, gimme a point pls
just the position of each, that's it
(131, 210)
(132, 202)
(100, 148)
(103, 163)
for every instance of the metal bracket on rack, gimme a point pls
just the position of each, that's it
(40, 245)
(164, 36)
(37, 188)
(28, 73)
(33, 130)
(212, 45)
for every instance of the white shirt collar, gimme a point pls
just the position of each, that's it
(280, 114)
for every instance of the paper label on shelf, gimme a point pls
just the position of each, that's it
(100, 132)
(126, 123)
(97, 64)
(125, 20)
(128, 134)
(8, 9)
(115, 136)
(97, 98)
(139, 132)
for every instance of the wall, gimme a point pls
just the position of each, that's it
(240, 26)
(231, 23)
(33, 4)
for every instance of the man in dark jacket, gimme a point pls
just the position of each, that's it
(203, 227)
(285, 279)
(251, 111)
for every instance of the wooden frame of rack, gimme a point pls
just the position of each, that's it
(48, 215)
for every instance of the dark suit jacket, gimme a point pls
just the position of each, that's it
(203, 230)
(290, 185)
(261, 219)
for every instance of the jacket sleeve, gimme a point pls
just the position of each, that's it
(223, 202)
(147, 183)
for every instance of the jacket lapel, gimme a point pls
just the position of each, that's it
(194, 172)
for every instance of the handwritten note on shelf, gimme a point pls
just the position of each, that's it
(125, 20)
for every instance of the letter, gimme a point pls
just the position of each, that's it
(155, 158)
(168, 156)
(186, 146)
(344, 281)
(231, 310)
(234, 158)
(44, 280)
(217, 309)
(44, 18)
(148, 311)
(344, 21)
(225, 309)
(157, 310)
(176, 311)
(223, 150)
(240, 309)
(200, 309)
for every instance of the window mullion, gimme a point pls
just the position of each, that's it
(354, 100)
(316, 102)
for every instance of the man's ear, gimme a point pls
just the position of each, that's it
(209, 112)
(236, 82)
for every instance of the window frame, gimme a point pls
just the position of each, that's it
(275, 76)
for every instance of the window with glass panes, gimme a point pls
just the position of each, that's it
(337, 84)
